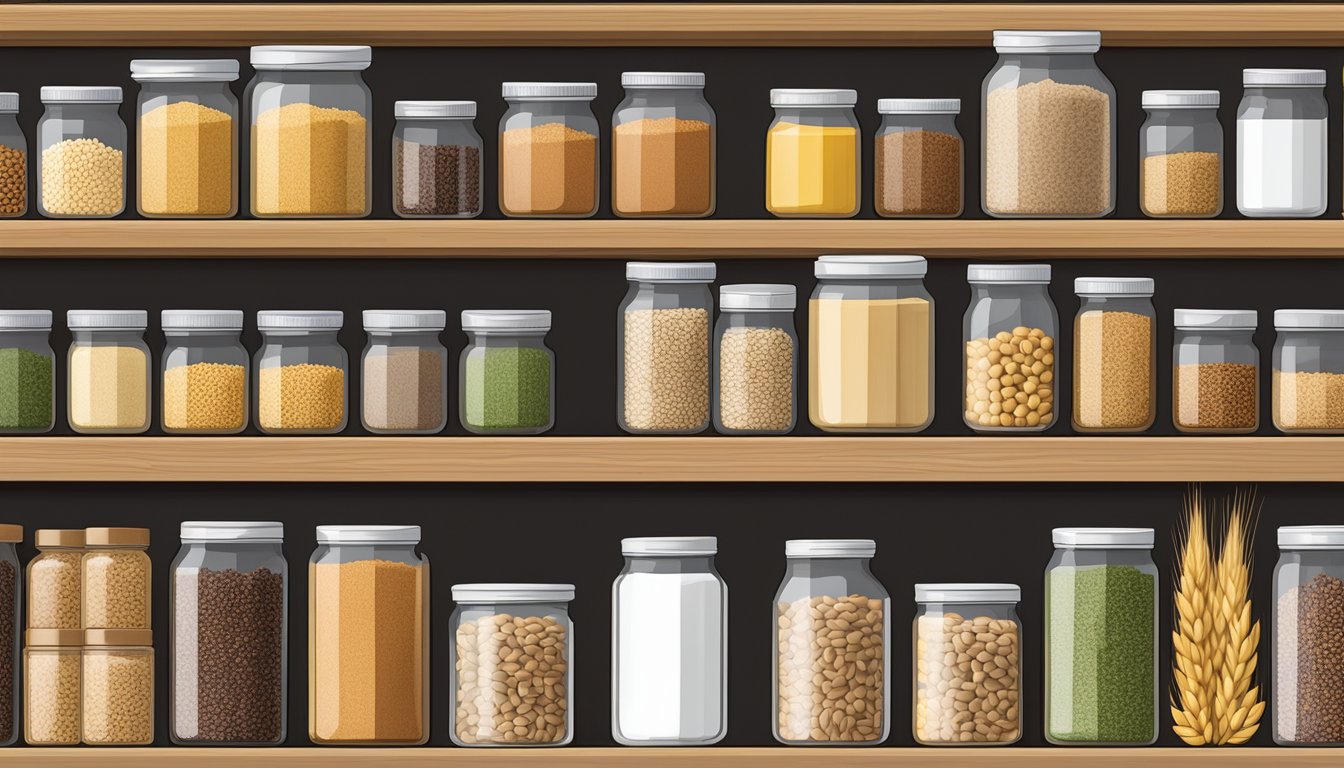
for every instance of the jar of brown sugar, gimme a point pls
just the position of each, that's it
(920, 158)
(663, 147)
(1215, 371)
(548, 141)
(13, 159)
(116, 570)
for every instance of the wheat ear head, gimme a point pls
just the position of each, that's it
(1237, 705)
(1192, 679)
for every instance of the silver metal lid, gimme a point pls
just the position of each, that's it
(1113, 286)
(1102, 538)
(1246, 319)
(405, 319)
(130, 319)
(830, 548)
(18, 319)
(506, 319)
(663, 79)
(967, 593)
(9, 103)
(226, 530)
(513, 593)
(1181, 99)
(759, 297)
(282, 319)
(312, 57)
(81, 94)
(1009, 274)
(201, 319)
(1311, 537)
(550, 91)
(918, 106)
(671, 271)
(444, 110)
(670, 546)
(1283, 77)
(368, 534)
(184, 70)
(1323, 319)
(876, 266)
(813, 97)
(1046, 41)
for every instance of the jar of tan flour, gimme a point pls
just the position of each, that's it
(663, 146)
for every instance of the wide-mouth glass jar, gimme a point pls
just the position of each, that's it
(13, 159)
(1009, 332)
(27, 370)
(1114, 355)
(55, 579)
(118, 687)
(1308, 385)
(812, 153)
(1215, 371)
(108, 369)
(117, 579)
(506, 373)
(756, 360)
(1282, 143)
(663, 147)
(548, 145)
(1181, 155)
(81, 173)
(204, 372)
(301, 372)
(404, 372)
(437, 168)
(52, 672)
(918, 159)
(11, 587)
(1308, 600)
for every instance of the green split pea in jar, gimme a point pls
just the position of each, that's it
(507, 372)
(26, 370)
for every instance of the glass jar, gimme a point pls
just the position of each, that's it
(1114, 355)
(204, 372)
(116, 579)
(662, 370)
(404, 372)
(301, 372)
(919, 159)
(108, 368)
(52, 687)
(13, 159)
(669, 660)
(1308, 601)
(663, 147)
(229, 636)
(55, 579)
(1101, 637)
(437, 171)
(27, 365)
(118, 687)
(310, 113)
(507, 373)
(829, 580)
(186, 138)
(368, 636)
(1010, 329)
(1281, 143)
(1181, 151)
(1049, 128)
(975, 702)
(756, 360)
(548, 141)
(82, 170)
(870, 345)
(1308, 385)
(812, 153)
(485, 617)
(11, 601)
(1215, 371)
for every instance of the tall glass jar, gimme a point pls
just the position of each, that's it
(1114, 355)
(13, 159)
(404, 373)
(118, 687)
(1009, 331)
(1308, 602)
(1048, 123)
(1181, 155)
(756, 360)
(186, 138)
(663, 324)
(109, 371)
(52, 686)
(55, 579)
(301, 372)
(812, 153)
(11, 619)
(663, 147)
(1282, 155)
(310, 113)
(829, 595)
(669, 659)
(28, 367)
(870, 345)
(548, 140)
(1215, 371)
(368, 636)
(486, 618)
(117, 579)
(81, 173)
(975, 702)
(1308, 385)
(919, 159)
(204, 372)
(506, 373)
(437, 170)
(229, 639)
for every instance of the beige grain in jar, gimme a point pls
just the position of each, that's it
(51, 686)
(1114, 355)
(118, 687)
(117, 578)
(55, 579)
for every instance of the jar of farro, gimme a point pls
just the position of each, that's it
(1114, 355)
(1215, 371)
(1181, 155)
(302, 372)
(756, 360)
(1308, 384)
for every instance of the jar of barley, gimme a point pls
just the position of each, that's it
(1114, 355)
(302, 372)
(756, 360)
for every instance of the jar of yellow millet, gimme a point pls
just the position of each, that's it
(812, 153)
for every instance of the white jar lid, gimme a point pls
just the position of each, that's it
(875, 266)
(663, 79)
(813, 97)
(9, 103)
(967, 593)
(1216, 318)
(312, 57)
(833, 548)
(184, 70)
(1309, 318)
(1181, 99)
(513, 593)
(81, 94)
(1113, 286)
(1046, 41)
(506, 319)
(1009, 274)
(280, 319)
(670, 546)
(918, 106)
(405, 319)
(201, 319)
(39, 319)
(550, 91)
(1289, 77)
(129, 319)
(435, 109)
(1311, 537)
(368, 534)
(1102, 538)
(226, 530)
(671, 271)
(762, 297)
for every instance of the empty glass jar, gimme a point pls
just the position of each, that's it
(1308, 386)
(1282, 143)
(756, 360)
(663, 146)
(1009, 330)
(1181, 151)
(1308, 598)
(13, 159)
(548, 143)
(301, 372)
(507, 373)
(812, 153)
(437, 171)
(28, 367)
(1114, 355)
(81, 173)
(204, 372)
(11, 587)
(404, 372)
(1215, 371)
(918, 158)
(108, 369)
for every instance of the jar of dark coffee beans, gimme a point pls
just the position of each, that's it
(436, 160)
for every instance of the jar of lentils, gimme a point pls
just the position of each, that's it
(1009, 331)
(1308, 384)
(1114, 355)
(81, 173)
(1308, 603)
(436, 160)
(301, 372)
(1215, 371)
(13, 159)
(756, 360)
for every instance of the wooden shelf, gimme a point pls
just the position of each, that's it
(628, 24)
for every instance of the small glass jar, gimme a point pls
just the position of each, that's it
(81, 173)
(1048, 123)
(11, 619)
(186, 138)
(663, 366)
(663, 147)
(548, 140)
(486, 617)
(116, 579)
(118, 687)
(368, 636)
(1308, 385)
(1215, 371)
(828, 587)
(870, 346)
(1282, 155)
(1181, 155)
(229, 639)
(404, 372)
(1114, 355)
(812, 153)
(109, 371)
(437, 171)
(52, 662)
(756, 360)
(55, 580)
(204, 372)
(975, 702)
(919, 159)
(1308, 601)
(301, 372)
(1009, 331)
(310, 113)
(669, 659)
(506, 376)
(13, 159)
(1101, 598)
(29, 404)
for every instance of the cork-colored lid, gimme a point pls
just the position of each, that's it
(58, 537)
(10, 533)
(131, 637)
(54, 638)
(116, 537)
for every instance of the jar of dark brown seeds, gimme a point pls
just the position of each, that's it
(436, 160)
(1308, 641)
(9, 630)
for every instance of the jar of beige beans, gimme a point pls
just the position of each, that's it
(1114, 355)
(1308, 385)
(662, 371)
(1009, 330)
(1215, 371)
(756, 360)
(831, 641)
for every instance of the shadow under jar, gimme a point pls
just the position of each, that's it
(301, 372)
(81, 173)
(27, 372)
(663, 145)
(1215, 371)
(404, 372)
(1308, 385)
(1011, 358)
(437, 167)
(204, 372)
(548, 145)
(1308, 665)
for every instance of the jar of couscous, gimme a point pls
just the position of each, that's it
(548, 150)
(27, 368)
(108, 371)
(301, 371)
(81, 171)
(1308, 384)
(812, 153)
(13, 159)
(204, 372)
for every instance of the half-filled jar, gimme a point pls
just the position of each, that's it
(1181, 146)
(812, 153)
(756, 360)
(118, 687)
(919, 159)
(507, 373)
(1215, 371)
(1308, 665)
(663, 147)
(81, 173)
(1009, 330)
(11, 588)
(27, 368)
(404, 372)
(301, 372)
(1114, 355)
(52, 686)
(437, 170)
(548, 143)
(109, 371)
(13, 159)
(663, 365)
(1282, 143)
(116, 579)
(204, 372)
(55, 579)
(1308, 385)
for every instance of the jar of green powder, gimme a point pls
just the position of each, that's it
(507, 373)
(1101, 637)
(26, 365)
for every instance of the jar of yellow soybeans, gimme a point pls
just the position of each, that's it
(812, 153)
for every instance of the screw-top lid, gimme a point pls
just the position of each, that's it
(405, 319)
(1309, 318)
(1009, 274)
(1216, 318)
(967, 593)
(671, 271)
(81, 94)
(1181, 99)
(116, 537)
(836, 548)
(670, 546)
(1046, 41)
(663, 79)
(368, 534)
(872, 267)
(53, 638)
(513, 593)
(435, 109)
(1289, 77)
(227, 530)
(764, 297)
(121, 637)
(25, 318)
(281, 319)
(184, 70)
(110, 319)
(550, 91)
(1102, 538)
(9, 103)
(813, 97)
(1113, 286)
(58, 537)
(1311, 537)
(201, 319)
(918, 106)
(10, 533)
(506, 319)
(312, 57)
